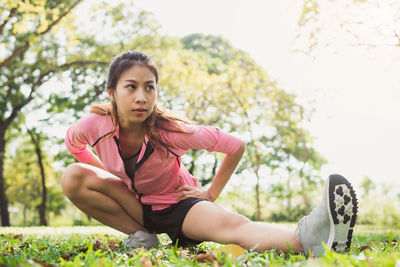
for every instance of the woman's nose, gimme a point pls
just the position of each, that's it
(140, 96)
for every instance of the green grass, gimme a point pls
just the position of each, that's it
(101, 246)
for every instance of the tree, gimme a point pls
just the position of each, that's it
(249, 103)
(367, 185)
(203, 76)
(367, 23)
(24, 174)
(41, 41)
(37, 141)
(30, 59)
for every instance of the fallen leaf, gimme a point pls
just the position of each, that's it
(146, 262)
(205, 258)
(42, 263)
(79, 250)
(232, 249)
(112, 244)
(363, 248)
(159, 254)
(25, 245)
(183, 253)
(135, 251)
(67, 256)
(98, 245)
(19, 236)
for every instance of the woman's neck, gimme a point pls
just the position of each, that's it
(135, 129)
(130, 139)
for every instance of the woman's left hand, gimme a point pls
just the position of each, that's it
(189, 191)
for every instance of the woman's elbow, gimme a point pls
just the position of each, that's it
(242, 148)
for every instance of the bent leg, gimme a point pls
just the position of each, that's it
(103, 196)
(209, 222)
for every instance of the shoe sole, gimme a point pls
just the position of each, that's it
(343, 208)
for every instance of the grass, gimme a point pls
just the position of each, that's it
(101, 246)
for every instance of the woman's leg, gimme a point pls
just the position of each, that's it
(208, 221)
(103, 196)
(331, 222)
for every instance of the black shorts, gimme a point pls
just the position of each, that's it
(170, 221)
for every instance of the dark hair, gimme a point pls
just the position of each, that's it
(126, 60)
(159, 119)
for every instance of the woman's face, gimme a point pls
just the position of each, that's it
(135, 95)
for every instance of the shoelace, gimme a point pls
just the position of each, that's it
(303, 221)
(299, 225)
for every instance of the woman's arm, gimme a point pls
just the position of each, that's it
(95, 161)
(223, 175)
(77, 140)
(225, 172)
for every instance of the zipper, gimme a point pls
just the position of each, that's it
(131, 178)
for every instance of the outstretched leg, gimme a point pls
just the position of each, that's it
(331, 222)
(208, 221)
(103, 196)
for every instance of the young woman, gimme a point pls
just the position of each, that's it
(135, 182)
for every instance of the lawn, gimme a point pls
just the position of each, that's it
(101, 246)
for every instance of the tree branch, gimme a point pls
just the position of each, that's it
(59, 18)
(16, 52)
(39, 82)
(397, 36)
(13, 11)
(26, 45)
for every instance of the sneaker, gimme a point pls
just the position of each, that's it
(332, 221)
(141, 239)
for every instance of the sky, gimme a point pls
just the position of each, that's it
(354, 88)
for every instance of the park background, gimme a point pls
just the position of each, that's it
(313, 87)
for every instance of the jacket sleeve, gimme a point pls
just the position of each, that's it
(203, 137)
(77, 142)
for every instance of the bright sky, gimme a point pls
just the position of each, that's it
(356, 89)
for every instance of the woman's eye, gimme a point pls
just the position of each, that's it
(132, 86)
(150, 87)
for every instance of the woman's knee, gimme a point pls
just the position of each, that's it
(72, 179)
(79, 176)
(231, 221)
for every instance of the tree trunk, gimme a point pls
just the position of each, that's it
(42, 208)
(5, 216)
(258, 218)
(289, 199)
(193, 163)
(303, 191)
(305, 198)
(25, 215)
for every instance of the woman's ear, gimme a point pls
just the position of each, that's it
(110, 94)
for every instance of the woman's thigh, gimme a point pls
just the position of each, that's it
(206, 221)
(79, 179)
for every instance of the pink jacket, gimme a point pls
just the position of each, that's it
(157, 178)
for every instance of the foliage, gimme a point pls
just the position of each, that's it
(386, 197)
(265, 115)
(356, 20)
(22, 171)
(32, 53)
(106, 250)
(202, 76)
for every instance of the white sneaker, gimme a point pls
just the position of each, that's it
(332, 221)
(141, 239)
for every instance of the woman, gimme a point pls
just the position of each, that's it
(136, 184)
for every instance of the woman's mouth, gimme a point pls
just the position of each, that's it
(139, 111)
